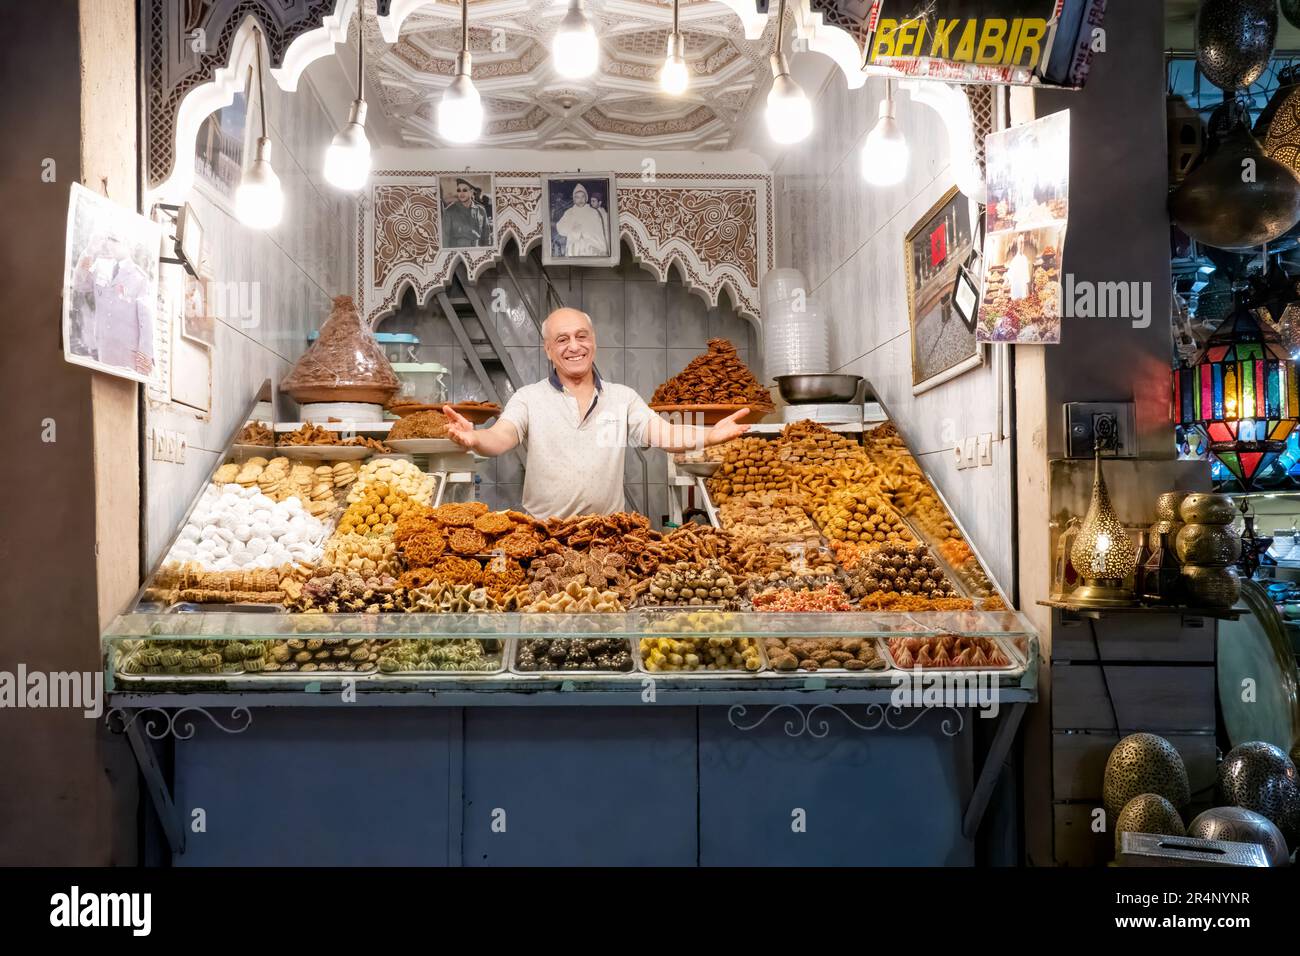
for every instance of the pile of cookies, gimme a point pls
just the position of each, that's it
(576, 599)
(375, 511)
(751, 465)
(772, 518)
(830, 653)
(234, 527)
(716, 377)
(401, 476)
(317, 486)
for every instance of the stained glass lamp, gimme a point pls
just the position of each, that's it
(1240, 391)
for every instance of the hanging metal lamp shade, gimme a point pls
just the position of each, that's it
(1238, 197)
(1278, 129)
(1234, 40)
(1291, 10)
(1241, 393)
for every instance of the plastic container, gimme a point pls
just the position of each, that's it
(422, 383)
(795, 336)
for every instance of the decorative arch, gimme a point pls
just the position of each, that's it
(717, 228)
(194, 60)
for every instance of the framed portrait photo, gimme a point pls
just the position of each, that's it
(467, 208)
(197, 322)
(937, 252)
(580, 219)
(110, 287)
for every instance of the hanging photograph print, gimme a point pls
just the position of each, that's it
(580, 219)
(467, 211)
(936, 250)
(219, 147)
(110, 287)
(1024, 232)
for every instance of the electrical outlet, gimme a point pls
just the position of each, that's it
(1113, 422)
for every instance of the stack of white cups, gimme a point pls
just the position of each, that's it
(795, 337)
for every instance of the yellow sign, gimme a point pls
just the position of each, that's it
(988, 41)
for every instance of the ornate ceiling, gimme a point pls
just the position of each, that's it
(527, 104)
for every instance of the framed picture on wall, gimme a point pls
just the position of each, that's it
(579, 219)
(110, 287)
(220, 147)
(197, 323)
(467, 210)
(937, 249)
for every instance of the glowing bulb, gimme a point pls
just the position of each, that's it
(460, 113)
(674, 77)
(259, 201)
(789, 114)
(1104, 543)
(885, 155)
(575, 53)
(347, 160)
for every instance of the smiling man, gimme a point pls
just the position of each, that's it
(578, 427)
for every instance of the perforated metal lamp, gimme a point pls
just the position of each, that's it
(1103, 553)
(1240, 392)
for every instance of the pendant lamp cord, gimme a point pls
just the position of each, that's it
(675, 3)
(261, 88)
(361, 51)
(780, 25)
(464, 26)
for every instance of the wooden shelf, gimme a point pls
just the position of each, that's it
(1218, 613)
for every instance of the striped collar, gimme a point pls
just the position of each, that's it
(554, 379)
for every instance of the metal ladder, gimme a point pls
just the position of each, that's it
(550, 300)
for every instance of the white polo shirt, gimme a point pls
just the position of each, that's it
(575, 458)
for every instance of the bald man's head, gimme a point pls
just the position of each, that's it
(570, 342)
(564, 319)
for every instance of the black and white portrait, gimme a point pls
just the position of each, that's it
(110, 287)
(581, 219)
(467, 220)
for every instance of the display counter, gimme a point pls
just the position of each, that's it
(507, 766)
(829, 676)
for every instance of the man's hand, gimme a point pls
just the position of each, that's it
(460, 429)
(727, 429)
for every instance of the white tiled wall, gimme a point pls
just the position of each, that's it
(294, 269)
(847, 238)
(646, 331)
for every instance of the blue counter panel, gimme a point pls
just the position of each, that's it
(319, 788)
(583, 786)
(884, 798)
(643, 785)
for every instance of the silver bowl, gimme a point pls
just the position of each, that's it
(818, 387)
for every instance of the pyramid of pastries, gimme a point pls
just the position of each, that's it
(716, 377)
(344, 364)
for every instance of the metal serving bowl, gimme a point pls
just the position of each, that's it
(818, 387)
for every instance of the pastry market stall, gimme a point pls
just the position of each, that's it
(323, 634)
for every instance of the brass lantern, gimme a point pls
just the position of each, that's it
(1103, 553)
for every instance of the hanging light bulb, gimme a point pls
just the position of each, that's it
(460, 114)
(885, 155)
(347, 159)
(575, 52)
(259, 201)
(674, 78)
(789, 114)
